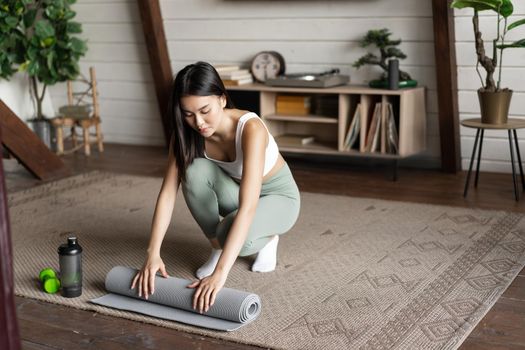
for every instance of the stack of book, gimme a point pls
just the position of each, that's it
(293, 104)
(234, 75)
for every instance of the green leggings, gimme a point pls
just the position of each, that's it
(211, 193)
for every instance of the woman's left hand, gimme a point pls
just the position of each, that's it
(207, 289)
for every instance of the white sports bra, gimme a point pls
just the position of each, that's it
(234, 169)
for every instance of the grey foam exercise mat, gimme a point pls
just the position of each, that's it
(172, 300)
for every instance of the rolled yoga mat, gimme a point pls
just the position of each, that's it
(172, 300)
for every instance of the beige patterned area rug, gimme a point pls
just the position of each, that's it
(352, 274)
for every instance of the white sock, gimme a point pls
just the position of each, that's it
(209, 266)
(266, 260)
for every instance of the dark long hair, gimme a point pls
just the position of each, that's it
(198, 79)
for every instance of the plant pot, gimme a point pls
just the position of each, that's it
(44, 131)
(494, 106)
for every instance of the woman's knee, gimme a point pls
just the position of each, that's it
(199, 172)
(199, 168)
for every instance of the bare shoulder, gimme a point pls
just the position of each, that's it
(237, 113)
(254, 133)
(254, 126)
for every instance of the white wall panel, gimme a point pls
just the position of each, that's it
(297, 29)
(186, 9)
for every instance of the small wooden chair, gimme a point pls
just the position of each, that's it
(80, 113)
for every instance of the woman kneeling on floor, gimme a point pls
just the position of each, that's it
(229, 166)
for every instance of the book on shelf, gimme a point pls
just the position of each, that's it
(286, 104)
(293, 112)
(375, 147)
(287, 110)
(293, 104)
(294, 139)
(392, 137)
(382, 145)
(305, 101)
(235, 82)
(366, 119)
(372, 135)
(353, 129)
(236, 74)
(225, 68)
(232, 74)
(292, 98)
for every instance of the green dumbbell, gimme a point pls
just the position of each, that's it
(50, 282)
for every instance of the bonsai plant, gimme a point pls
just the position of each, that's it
(38, 36)
(388, 50)
(494, 100)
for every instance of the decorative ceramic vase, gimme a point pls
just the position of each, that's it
(494, 106)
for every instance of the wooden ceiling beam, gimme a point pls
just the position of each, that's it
(159, 60)
(30, 151)
(447, 86)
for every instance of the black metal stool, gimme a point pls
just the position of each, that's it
(510, 126)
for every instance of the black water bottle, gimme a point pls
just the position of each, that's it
(393, 74)
(70, 260)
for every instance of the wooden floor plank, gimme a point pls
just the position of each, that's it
(504, 324)
(516, 290)
(501, 328)
(476, 344)
(107, 332)
(27, 345)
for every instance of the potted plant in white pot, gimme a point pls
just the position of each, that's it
(494, 100)
(38, 36)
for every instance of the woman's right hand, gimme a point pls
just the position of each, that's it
(145, 278)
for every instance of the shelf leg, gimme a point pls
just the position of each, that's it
(471, 162)
(479, 158)
(519, 157)
(516, 195)
(394, 170)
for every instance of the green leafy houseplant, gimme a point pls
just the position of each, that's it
(38, 36)
(504, 9)
(387, 50)
(494, 100)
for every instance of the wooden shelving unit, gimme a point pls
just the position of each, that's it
(330, 131)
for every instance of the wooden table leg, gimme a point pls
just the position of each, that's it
(99, 138)
(519, 157)
(471, 162)
(516, 195)
(87, 146)
(479, 157)
(60, 139)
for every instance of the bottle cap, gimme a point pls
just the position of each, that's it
(71, 247)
